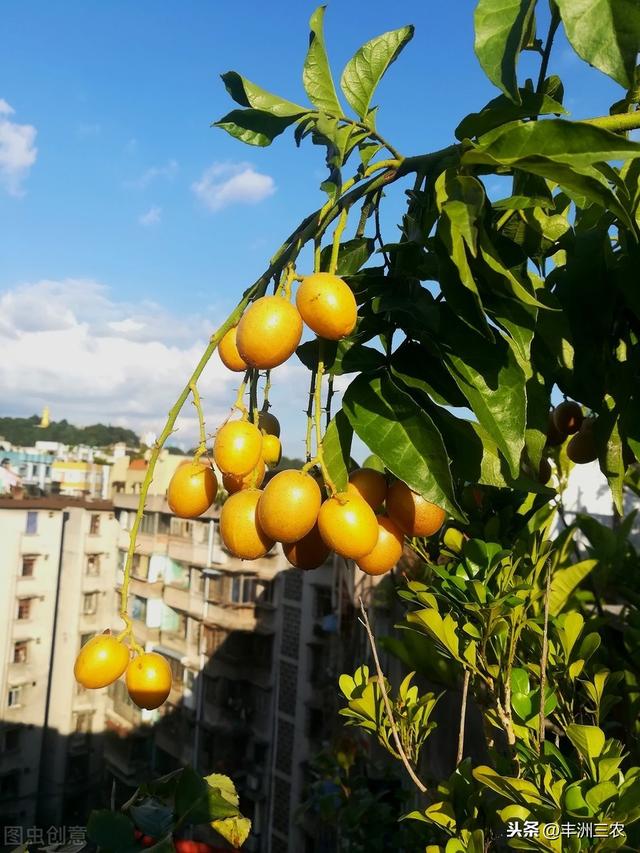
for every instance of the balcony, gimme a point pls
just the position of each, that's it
(145, 634)
(233, 617)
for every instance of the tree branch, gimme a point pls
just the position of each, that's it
(463, 715)
(387, 704)
(543, 659)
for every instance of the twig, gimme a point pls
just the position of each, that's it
(329, 398)
(553, 26)
(543, 659)
(387, 704)
(463, 715)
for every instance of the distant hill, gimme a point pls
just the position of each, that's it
(26, 431)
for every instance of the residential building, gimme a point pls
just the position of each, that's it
(57, 571)
(80, 478)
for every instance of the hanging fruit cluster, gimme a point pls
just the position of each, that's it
(301, 509)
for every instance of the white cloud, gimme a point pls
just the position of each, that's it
(91, 358)
(167, 171)
(223, 184)
(151, 216)
(17, 150)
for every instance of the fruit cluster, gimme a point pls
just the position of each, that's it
(296, 508)
(301, 509)
(567, 419)
(105, 658)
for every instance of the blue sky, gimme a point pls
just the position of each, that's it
(113, 267)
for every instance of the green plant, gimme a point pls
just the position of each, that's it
(164, 808)
(489, 305)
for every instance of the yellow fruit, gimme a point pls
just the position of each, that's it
(237, 448)
(289, 506)
(310, 552)
(453, 539)
(269, 332)
(271, 449)
(387, 550)
(240, 528)
(228, 351)
(370, 485)
(327, 305)
(101, 661)
(568, 417)
(252, 480)
(582, 448)
(269, 423)
(148, 680)
(348, 525)
(192, 489)
(411, 512)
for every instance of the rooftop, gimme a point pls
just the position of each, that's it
(58, 502)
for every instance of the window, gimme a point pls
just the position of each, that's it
(264, 592)
(10, 740)
(94, 525)
(177, 672)
(84, 639)
(9, 784)
(243, 589)
(28, 566)
(148, 523)
(213, 639)
(197, 580)
(93, 565)
(83, 722)
(139, 608)
(32, 523)
(164, 524)
(322, 605)
(13, 698)
(20, 651)
(89, 603)
(24, 608)
(181, 627)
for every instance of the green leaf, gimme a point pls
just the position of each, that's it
(501, 110)
(493, 382)
(575, 144)
(198, 802)
(345, 356)
(225, 785)
(500, 29)
(316, 74)
(247, 94)
(152, 817)
(352, 254)
(110, 830)
(254, 126)
(367, 67)
(588, 740)
(441, 629)
(397, 430)
(442, 814)
(234, 829)
(336, 446)
(565, 581)
(605, 33)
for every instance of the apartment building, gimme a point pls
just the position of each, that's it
(57, 571)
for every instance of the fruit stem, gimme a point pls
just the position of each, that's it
(128, 632)
(329, 398)
(253, 397)
(197, 402)
(337, 234)
(317, 417)
(267, 390)
(239, 401)
(312, 389)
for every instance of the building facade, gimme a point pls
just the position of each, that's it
(57, 570)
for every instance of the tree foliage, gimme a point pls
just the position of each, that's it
(24, 432)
